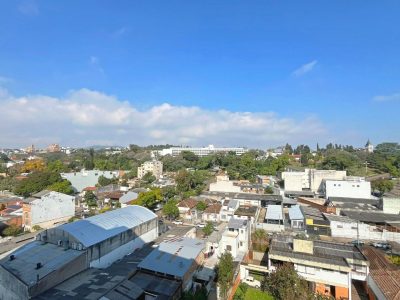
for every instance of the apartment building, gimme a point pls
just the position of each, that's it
(352, 187)
(200, 151)
(235, 238)
(154, 167)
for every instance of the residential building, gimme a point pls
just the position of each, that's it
(54, 148)
(228, 209)
(337, 204)
(274, 219)
(175, 258)
(64, 251)
(155, 167)
(127, 198)
(316, 223)
(310, 179)
(328, 267)
(349, 188)
(212, 213)
(246, 198)
(47, 208)
(296, 217)
(224, 185)
(199, 151)
(85, 178)
(235, 238)
(249, 213)
(186, 209)
(265, 180)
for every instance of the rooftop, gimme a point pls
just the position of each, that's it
(274, 212)
(338, 200)
(50, 256)
(173, 257)
(249, 211)
(371, 217)
(295, 213)
(213, 209)
(236, 223)
(246, 196)
(96, 229)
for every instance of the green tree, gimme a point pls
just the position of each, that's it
(90, 199)
(382, 186)
(208, 229)
(12, 230)
(149, 199)
(103, 181)
(269, 190)
(225, 273)
(64, 187)
(286, 284)
(149, 178)
(36, 182)
(170, 209)
(56, 166)
(201, 206)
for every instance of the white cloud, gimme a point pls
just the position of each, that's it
(385, 98)
(28, 7)
(5, 80)
(304, 69)
(86, 117)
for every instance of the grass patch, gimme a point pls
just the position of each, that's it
(252, 294)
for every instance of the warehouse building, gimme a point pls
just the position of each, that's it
(61, 252)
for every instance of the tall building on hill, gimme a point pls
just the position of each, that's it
(154, 167)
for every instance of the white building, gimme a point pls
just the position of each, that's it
(235, 238)
(87, 178)
(224, 185)
(350, 188)
(154, 167)
(228, 209)
(310, 179)
(390, 205)
(200, 151)
(296, 217)
(47, 208)
(369, 148)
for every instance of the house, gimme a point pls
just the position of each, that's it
(246, 198)
(212, 213)
(235, 238)
(223, 184)
(351, 204)
(228, 209)
(249, 213)
(274, 219)
(296, 217)
(352, 187)
(328, 267)
(186, 207)
(175, 259)
(47, 208)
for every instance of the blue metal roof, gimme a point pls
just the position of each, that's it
(295, 213)
(96, 229)
(274, 212)
(173, 257)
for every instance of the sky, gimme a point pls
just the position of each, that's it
(229, 73)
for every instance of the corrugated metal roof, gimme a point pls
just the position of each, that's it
(173, 257)
(274, 212)
(96, 229)
(129, 196)
(295, 213)
(236, 223)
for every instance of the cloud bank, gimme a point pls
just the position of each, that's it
(86, 117)
(385, 98)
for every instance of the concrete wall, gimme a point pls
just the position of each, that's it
(317, 176)
(11, 288)
(325, 276)
(295, 181)
(348, 189)
(224, 186)
(391, 205)
(120, 252)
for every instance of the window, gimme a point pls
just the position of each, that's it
(339, 226)
(241, 244)
(228, 247)
(241, 231)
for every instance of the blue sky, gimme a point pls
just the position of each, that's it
(300, 71)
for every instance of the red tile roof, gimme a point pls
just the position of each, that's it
(213, 209)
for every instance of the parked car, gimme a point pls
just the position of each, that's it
(357, 243)
(177, 222)
(381, 245)
(201, 225)
(252, 282)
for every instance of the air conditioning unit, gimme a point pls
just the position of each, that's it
(80, 247)
(60, 243)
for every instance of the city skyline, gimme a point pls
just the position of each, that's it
(258, 74)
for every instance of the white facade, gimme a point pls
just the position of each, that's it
(228, 210)
(48, 210)
(235, 238)
(203, 151)
(390, 205)
(154, 167)
(310, 179)
(224, 185)
(348, 188)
